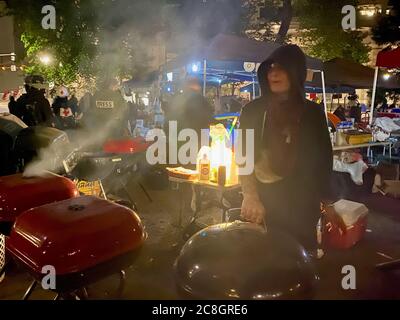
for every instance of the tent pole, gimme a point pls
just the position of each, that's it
(324, 94)
(373, 95)
(204, 77)
(254, 89)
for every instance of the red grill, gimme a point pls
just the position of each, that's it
(19, 194)
(126, 146)
(85, 239)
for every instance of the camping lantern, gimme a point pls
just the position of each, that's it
(221, 155)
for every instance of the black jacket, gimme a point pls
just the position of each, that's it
(34, 109)
(294, 201)
(190, 110)
(314, 162)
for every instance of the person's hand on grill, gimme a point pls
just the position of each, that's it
(252, 209)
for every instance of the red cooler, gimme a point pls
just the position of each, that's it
(354, 216)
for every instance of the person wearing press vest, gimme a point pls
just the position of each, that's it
(107, 112)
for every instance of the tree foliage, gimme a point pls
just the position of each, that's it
(387, 30)
(263, 16)
(100, 38)
(321, 32)
(71, 44)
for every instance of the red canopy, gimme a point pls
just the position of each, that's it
(388, 58)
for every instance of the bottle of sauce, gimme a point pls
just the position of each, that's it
(204, 168)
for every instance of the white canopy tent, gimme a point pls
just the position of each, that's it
(389, 59)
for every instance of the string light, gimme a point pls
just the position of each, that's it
(5, 68)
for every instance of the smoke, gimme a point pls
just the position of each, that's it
(51, 158)
(131, 32)
(48, 160)
(126, 37)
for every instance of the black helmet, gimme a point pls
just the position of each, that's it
(35, 81)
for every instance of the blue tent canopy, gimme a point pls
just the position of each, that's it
(308, 89)
(234, 51)
(227, 59)
(331, 90)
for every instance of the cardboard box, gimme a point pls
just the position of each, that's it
(358, 138)
(391, 188)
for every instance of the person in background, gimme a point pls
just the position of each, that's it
(384, 107)
(12, 106)
(132, 114)
(64, 110)
(355, 113)
(340, 112)
(293, 151)
(235, 105)
(107, 112)
(32, 107)
(73, 102)
(191, 109)
(84, 103)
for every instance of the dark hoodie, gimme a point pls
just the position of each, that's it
(291, 203)
(34, 109)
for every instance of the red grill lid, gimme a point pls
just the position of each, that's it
(126, 146)
(18, 194)
(74, 234)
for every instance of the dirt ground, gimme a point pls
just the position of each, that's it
(151, 276)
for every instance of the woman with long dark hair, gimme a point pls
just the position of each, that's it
(293, 152)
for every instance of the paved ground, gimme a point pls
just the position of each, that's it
(151, 276)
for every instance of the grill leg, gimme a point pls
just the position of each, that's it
(3, 270)
(82, 294)
(122, 280)
(145, 192)
(68, 296)
(395, 264)
(29, 291)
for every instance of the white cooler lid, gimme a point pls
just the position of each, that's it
(350, 211)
